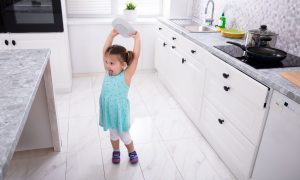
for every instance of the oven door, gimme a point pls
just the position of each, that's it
(31, 16)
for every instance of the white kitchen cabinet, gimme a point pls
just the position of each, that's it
(5, 41)
(229, 97)
(162, 58)
(278, 156)
(59, 58)
(240, 102)
(228, 106)
(230, 144)
(182, 74)
(190, 85)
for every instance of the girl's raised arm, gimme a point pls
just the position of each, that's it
(136, 54)
(109, 41)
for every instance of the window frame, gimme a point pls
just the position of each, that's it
(114, 11)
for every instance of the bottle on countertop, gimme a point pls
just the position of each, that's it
(222, 21)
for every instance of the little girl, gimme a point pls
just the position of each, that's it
(120, 66)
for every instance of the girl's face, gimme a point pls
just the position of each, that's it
(113, 65)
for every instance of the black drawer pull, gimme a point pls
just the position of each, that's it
(173, 38)
(164, 44)
(193, 51)
(159, 28)
(225, 75)
(14, 42)
(226, 88)
(6, 42)
(221, 121)
(286, 104)
(173, 47)
(183, 60)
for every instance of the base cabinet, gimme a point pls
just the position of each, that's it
(278, 156)
(183, 74)
(59, 57)
(216, 97)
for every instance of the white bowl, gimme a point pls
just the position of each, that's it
(123, 27)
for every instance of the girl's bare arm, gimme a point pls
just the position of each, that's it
(109, 41)
(136, 51)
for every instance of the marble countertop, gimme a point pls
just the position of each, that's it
(20, 74)
(268, 77)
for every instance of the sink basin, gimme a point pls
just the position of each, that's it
(199, 28)
(193, 26)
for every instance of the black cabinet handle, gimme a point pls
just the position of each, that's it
(193, 51)
(173, 47)
(6, 42)
(183, 60)
(173, 38)
(226, 88)
(221, 121)
(286, 104)
(225, 75)
(14, 42)
(164, 44)
(159, 28)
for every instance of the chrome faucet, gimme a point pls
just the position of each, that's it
(210, 20)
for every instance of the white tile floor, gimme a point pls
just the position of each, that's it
(168, 144)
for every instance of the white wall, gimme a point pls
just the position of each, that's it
(87, 38)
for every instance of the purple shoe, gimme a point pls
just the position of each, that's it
(116, 157)
(133, 157)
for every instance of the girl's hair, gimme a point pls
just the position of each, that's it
(125, 56)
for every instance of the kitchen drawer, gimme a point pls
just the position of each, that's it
(246, 116)
(233, 148)
(242, 84)
(167, 33)
(193, 50)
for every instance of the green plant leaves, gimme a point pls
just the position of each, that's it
(130, 6)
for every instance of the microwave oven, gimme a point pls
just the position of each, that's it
(24, 16)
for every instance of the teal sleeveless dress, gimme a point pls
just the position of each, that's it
(114, 104)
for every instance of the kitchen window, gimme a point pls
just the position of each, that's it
(104, 8)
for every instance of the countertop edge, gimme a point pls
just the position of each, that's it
(9, 154)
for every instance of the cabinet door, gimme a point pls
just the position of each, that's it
(60, 75)
(164, 61)
(160, 48)
(278, 156)
(5, 42)
(173, 69)
(190, 85)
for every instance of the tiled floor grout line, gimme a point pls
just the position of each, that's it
(164, 145)
(67, 143)
(94, 99)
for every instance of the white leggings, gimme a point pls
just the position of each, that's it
(125, 136)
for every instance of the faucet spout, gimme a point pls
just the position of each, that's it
(210, 21)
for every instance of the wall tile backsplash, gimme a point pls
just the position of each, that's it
(281, 16)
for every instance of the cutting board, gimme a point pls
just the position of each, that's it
(293, 77)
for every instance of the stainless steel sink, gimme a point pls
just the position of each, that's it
(193, 26)
(199, 28)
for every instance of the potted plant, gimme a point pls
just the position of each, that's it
(130, 11)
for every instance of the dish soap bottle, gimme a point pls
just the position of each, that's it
(222, 21)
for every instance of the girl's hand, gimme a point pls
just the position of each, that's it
(114, 32)
(135, 35)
